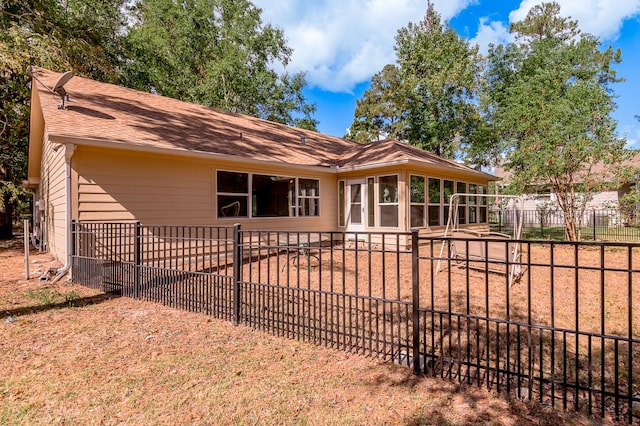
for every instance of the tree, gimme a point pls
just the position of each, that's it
(380, 113)
(216, 53)
(429, 98)
(76, 34)
(550, 104)
(442, 74)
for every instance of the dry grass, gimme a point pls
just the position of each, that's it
(71, 355)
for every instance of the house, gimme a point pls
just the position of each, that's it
(109, 153)
(601, 207)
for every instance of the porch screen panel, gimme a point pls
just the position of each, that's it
(482, 210)
(434, 200)
(473, 209)
(448, 188)
(388, 201)
(417, 200)
(461, 188)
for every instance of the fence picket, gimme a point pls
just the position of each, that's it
(566, 332)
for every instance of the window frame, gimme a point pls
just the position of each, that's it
(437, 204)
(301, 197)
(246, 195)
(423, 204)
(342, 203)
(395, 203)
(249, 196)
(370, 183)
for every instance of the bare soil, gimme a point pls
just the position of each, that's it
(71, 355)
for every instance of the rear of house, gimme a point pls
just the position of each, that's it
(119, 155)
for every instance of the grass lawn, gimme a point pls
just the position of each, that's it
(71, 355)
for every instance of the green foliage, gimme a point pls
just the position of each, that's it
(216, 53)
(429, 98)
(441, 73)
(76, 34)
(381, 112)
(550, 103)
(213, 52)
(47, 297)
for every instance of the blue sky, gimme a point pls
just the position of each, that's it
(340, 44)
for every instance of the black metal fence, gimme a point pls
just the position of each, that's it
(595, 224)
(563, 332)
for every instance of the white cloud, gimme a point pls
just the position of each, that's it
(340, 43)
(632, 134)
(602, 18)
(494, 32)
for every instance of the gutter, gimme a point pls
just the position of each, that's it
(69, 149)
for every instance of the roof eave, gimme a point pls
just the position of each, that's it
(440, 167)
(129, 146)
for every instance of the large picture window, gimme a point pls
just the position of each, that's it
(272, 196)
(256, 195)
(388, 201)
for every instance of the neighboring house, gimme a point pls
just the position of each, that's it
(116, 154)
(542, 196)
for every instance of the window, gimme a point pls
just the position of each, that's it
(371, 217)
(483, 204)
(434, 202)
(473, 209)
(461, 188)
(448, 189)
(417, 198)
(308, 197)
(341, 203)
(233, 194)
(272, 196)
(388, 201)
(265, 195)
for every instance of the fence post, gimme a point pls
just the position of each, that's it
(594, 224)
(136, 261)
(415, 301)
(237, 264)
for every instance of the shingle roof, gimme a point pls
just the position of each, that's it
(108, 112)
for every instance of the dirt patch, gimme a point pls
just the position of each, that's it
(71, 355)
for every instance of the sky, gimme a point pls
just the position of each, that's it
(340, 44)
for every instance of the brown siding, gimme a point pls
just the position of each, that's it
(53, 191)
(155, 189)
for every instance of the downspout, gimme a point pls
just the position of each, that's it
(69, 149)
